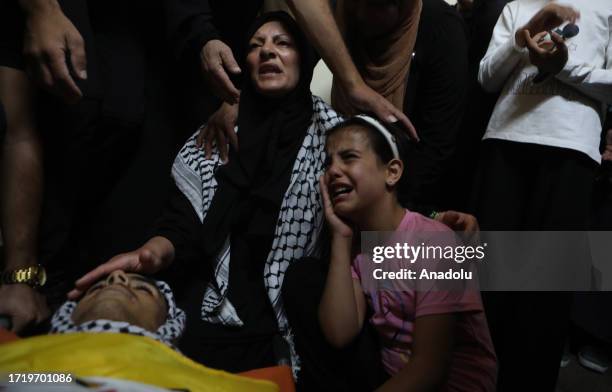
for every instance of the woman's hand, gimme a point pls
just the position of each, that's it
(152, 257)
(218, 130)
(338, 227)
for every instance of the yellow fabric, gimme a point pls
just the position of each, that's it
(121, 356)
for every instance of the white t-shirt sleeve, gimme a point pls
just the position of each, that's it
(502, 55)
(594, 82)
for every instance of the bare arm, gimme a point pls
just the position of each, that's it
(429, 363)
(155, 255)
(316, 19)
(21, 172)
(342, 308)
(21, 179)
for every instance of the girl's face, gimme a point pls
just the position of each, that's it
(355, 176)
(273, 60)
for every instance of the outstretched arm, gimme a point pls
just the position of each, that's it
(21, 172)
(176, 233)
(155, 255)
(316, 19)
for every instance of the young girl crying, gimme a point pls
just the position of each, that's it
(431, 339)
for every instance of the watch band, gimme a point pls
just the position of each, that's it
(34, 276)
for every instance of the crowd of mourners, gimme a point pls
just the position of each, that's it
(489, 114)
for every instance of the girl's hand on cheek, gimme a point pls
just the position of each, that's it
(338, 227)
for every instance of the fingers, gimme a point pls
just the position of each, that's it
(63, 82)
(124, 262)
(208, 145)
(229, 62)
(222, 146)
(558, 40)
(233, 137)
(201, 137)
(408, 125)
(78, 59)
(391, 114)
(532, 44)
(328, 206)
(226, 89)
(324, 193)
(570, 14)
(538, 37)
(23, 305)
(229, 123)
(220, 131)
(39, 71)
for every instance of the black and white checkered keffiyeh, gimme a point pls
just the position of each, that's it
(297, 230)
(168, 333)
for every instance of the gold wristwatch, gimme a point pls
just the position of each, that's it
(34, 276)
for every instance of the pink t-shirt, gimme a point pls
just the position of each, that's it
(396, 304)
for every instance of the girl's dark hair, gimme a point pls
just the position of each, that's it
(381, 147)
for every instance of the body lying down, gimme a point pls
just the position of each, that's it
(124, 328)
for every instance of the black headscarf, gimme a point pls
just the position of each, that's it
(271, 130)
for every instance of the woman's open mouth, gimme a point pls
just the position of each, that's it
(267, 69)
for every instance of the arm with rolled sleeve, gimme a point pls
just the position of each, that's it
(594, 82)
(503, 54)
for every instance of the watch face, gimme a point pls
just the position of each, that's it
(41, 276)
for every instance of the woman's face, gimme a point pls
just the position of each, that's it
(273, 60)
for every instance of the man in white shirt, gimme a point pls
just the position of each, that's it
(540, 154)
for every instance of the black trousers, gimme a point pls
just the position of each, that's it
(323, 367)
(531, 187)
(105, 184)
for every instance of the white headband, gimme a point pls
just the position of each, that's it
(385, 132)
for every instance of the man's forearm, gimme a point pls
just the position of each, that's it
(316, 19)
(21, 172)
(33, 6)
